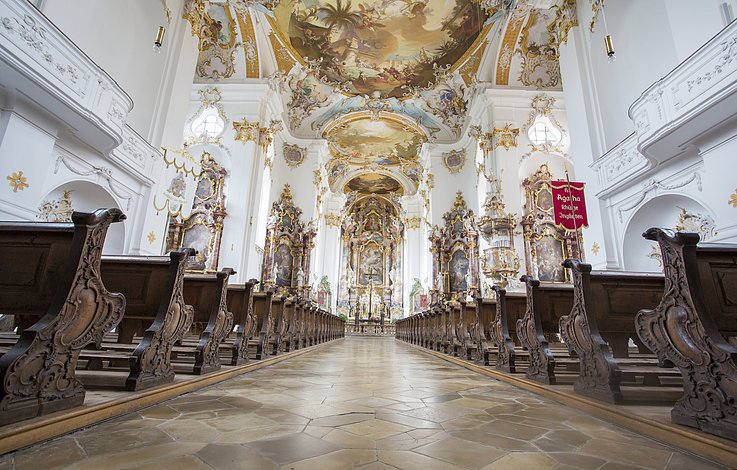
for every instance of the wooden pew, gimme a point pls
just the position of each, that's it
(50, 272)
(484, 318)
(264, 323)
(153, 288)
(207, 293)
(545, 306)
(278, 307)
(240, 302)
(510, 308)
(690, 326)
(603, 317)
(290, 319)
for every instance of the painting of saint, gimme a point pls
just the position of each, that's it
(371, 263)
(549, 258)
(198, 237)
(283, 265)
(545, 199)
(372, 223)
(458, 270)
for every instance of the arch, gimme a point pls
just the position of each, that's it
(663, 211)
(87, 197)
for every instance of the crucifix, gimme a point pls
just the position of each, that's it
(371, 276)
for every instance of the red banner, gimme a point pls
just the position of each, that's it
(569, 214)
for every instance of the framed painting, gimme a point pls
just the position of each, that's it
(371, 263)
(458, 269)
(283, 262)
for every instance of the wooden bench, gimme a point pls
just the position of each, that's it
(240, 302)
(601, 323)
(207, 294)
(50, 278)
(691, 326)
(262, 302)
(484, 310)
(545, 306)
(155, 309)
(510, 308)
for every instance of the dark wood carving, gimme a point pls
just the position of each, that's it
(38, 371)
(150, 363)
(262, 308)
(599, 375)
(682, 330)
(530, 332)
(499, 333)
(240, 302)
(219, 325)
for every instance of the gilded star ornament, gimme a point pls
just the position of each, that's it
(733, 199)
(151, 237)
(17, 181)
(595, 248)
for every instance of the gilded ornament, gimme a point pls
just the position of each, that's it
(595, 248)
(151, 237)
(17, 181)
(412, 222)
(246, 131)
(333, 220)
(266, 134)
(506, 136)
(733, 199)
(57, 210)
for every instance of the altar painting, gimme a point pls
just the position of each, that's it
(283, 264)
(371, 261)
(549, 251)
(200, 238)
(458, 270)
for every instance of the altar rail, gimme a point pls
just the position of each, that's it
(388, 329)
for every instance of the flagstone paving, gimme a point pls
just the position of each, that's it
(369, 403)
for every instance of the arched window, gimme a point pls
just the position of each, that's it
(263, 211)
(208, 123)
(543, 133)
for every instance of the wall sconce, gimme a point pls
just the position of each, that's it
(159, 41)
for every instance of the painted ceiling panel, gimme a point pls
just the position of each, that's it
(379, 47)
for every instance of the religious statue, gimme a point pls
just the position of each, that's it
(300, 278)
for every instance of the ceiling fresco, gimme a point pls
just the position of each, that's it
(372, 183)
(378, 78)
(379, 47)
(366, 140)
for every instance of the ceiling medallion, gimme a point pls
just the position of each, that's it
(294, 155)
(454, 160)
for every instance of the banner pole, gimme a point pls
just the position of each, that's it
(573, 213)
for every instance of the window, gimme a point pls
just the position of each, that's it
(209, 123)
(543, 133)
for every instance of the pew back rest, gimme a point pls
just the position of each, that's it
(141, 279)
(717, 265)
(619, 295)
(554, 301)
(200, 291)
(34, 255)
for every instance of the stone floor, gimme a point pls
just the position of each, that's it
(369, 403)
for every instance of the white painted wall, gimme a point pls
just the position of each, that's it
(119, 37)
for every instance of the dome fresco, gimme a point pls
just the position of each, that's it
(372, 183)
(379, 47)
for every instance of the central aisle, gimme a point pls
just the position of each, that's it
(367, 402)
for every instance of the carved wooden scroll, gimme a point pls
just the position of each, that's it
(245, 324)
(220, 324)
(151, 361)
(530, 331)
(262, 307)
(499, 332)
(38, 372)
(599, 375)
(682, 331)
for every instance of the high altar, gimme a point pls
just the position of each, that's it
(371, 262)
